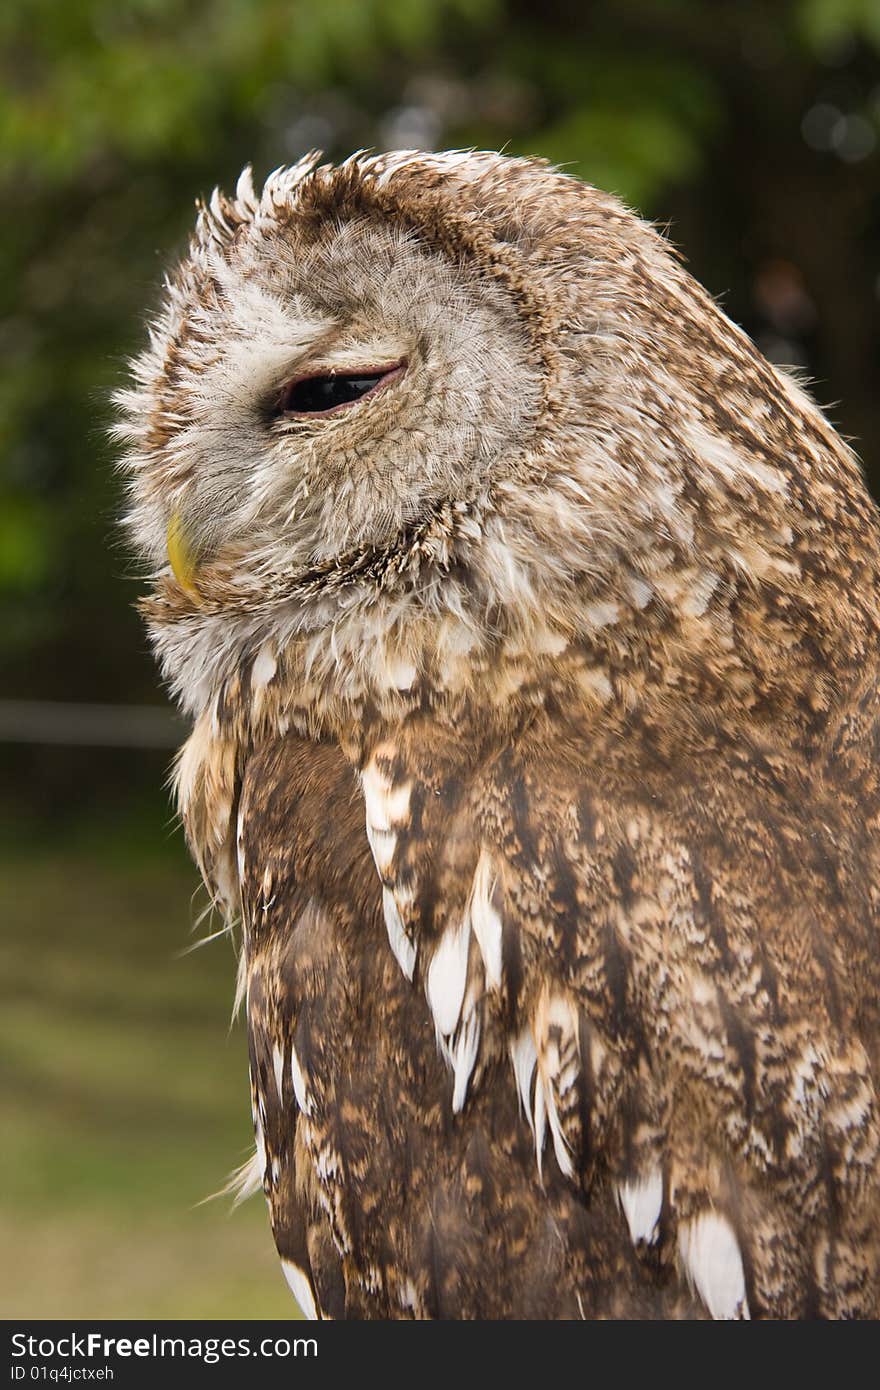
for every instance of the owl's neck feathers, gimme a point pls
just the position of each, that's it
(482, 621)
(683, 531)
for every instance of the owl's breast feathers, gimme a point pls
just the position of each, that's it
(577, 1020)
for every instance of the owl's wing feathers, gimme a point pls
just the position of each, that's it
(407, 1209)
(676, 950)
(640, 977)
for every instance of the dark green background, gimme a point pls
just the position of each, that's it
(751, 128)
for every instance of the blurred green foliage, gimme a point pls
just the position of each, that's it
(125, 1098)
(750, 128)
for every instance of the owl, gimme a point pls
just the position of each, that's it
(527, 621)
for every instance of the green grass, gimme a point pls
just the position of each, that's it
(125, 1097)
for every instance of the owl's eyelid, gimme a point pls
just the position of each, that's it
(346, 369)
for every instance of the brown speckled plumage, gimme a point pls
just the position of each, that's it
(535, 745)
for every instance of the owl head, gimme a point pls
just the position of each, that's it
(404, 414)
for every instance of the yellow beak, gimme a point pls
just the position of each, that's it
(181, 556)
